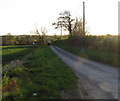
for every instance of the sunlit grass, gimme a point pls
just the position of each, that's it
(15, 46)
(10, 53)
(43, 76)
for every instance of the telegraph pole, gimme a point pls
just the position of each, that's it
(83, 18)
(61, 30)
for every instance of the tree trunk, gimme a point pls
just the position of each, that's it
(70, 27)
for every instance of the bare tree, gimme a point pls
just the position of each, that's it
(42, 37)
(44, 31)
(78, 28)
(36, 31)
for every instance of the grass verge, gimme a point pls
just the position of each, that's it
(44, 76)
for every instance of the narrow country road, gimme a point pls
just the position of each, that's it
(99, 80)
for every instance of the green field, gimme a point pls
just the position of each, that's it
(43, 76)
(10, 53)
(17, 46)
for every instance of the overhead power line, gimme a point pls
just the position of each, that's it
(77, 8)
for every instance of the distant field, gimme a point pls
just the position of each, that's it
(16, 46)
(10, 53)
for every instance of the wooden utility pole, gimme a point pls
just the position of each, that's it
(61, 30)
(83, 18)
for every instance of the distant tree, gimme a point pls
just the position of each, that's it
(65, 21)
(37, 32)
(9, 34)
(78, 28)
(44, 31)
(8, 39)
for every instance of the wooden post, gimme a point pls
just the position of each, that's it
(83, 18)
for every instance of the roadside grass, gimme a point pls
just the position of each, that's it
(96, 55)
(44, 76)
(10, 53)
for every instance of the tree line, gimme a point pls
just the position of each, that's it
(25, 39)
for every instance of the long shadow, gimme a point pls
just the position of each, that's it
(9, 57)
(17, 47)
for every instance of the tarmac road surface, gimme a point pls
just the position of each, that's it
(99, 80)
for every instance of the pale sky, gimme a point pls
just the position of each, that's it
(20, 16)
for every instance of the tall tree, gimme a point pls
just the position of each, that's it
(65, 20)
